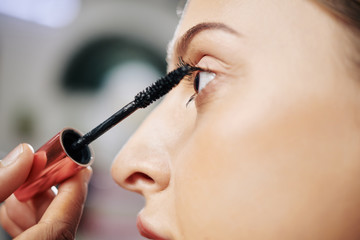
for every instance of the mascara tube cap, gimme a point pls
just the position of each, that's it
(54, 162)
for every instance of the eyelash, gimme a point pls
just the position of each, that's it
(190, 78)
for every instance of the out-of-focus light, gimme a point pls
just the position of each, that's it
(51, 13)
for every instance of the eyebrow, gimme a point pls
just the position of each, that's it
(182, 44)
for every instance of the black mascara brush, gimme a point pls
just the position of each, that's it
(141, 100)
(68, 151)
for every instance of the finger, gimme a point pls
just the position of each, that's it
(26, 214)
(14, 169)
(20, 213)
(71, 198)
(62, 217)
(8, 225)
(41, 202)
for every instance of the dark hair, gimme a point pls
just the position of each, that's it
(347, 11)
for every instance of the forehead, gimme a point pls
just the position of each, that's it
(198, 11)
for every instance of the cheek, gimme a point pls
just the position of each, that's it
(203, 194)
(285, 170)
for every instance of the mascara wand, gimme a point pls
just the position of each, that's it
(68, 151)
(141, 100)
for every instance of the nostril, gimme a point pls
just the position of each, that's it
(139, 176)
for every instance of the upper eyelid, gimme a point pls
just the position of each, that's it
(181, 46)
(207, 62)
(181, 62)
(190, 78)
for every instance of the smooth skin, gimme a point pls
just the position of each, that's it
(45, 216)
(270, 148)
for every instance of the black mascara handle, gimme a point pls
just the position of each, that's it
(106, 125)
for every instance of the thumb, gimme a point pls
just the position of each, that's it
(14, 169)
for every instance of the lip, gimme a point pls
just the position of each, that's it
(145, 231)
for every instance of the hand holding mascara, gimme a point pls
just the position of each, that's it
(22, 220)
(68, 151)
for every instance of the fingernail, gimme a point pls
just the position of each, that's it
(88, 174)
(12, 156)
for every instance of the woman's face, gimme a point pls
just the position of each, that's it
(269, 148)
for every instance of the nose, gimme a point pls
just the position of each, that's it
(143, 165)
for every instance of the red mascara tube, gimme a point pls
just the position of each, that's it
(54, 162)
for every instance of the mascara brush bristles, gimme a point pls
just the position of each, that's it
(162, 86)
(141, 100)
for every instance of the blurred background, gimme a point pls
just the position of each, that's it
(73, 63)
